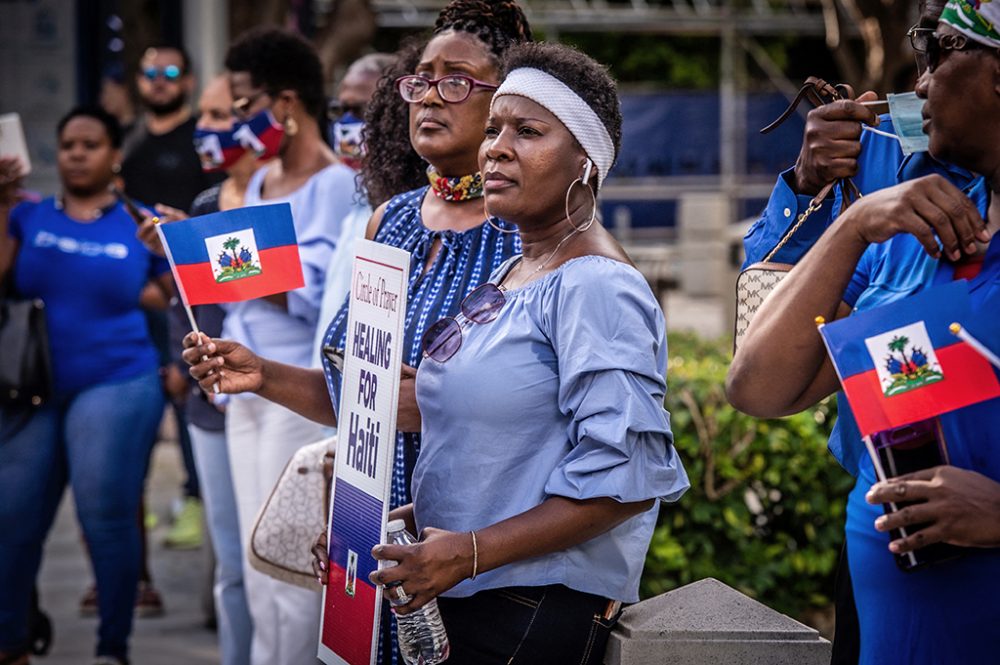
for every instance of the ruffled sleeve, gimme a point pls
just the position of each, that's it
(609, 336)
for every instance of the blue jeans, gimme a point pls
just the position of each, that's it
(211, 456)
(98, 439)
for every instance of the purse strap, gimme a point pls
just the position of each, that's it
(819, 92)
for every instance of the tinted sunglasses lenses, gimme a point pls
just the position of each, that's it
(442, 339)
(170, 72)
(933, 54)
(483, 304)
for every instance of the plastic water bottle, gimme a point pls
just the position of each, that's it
(422, 638)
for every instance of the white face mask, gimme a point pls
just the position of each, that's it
(905, 111)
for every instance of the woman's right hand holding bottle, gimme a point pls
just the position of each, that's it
(227, 364)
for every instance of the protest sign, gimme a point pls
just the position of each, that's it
(367, 439)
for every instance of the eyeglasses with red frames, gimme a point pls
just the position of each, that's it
(444, 338)
(453, 88)
(938, 44)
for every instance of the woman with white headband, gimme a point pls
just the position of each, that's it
(546, 448)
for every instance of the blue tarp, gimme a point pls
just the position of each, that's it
(677, 134)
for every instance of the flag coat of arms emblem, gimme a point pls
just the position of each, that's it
(899, 363)
(235, 255)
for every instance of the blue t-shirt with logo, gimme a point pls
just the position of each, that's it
(90, 275)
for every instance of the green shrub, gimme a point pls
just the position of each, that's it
(765, 512)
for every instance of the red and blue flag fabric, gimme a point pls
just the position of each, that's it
(900, 363)
(234, 255)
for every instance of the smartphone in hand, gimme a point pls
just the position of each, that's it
(903, 450)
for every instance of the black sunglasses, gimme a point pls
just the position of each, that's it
(938, 44)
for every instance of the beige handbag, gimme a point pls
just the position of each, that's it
(292, 517)
(758, 280)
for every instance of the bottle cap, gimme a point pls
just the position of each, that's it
(395, 526)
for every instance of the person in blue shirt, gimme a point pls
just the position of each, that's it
(834, 146)
(546, 448)
(79, 254)
(891, 244)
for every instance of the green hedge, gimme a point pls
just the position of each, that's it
(765, 511)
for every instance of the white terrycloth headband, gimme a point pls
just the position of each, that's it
(581, 121)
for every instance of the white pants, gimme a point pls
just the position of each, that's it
(261, 437)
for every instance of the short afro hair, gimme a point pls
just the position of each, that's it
(279, 60)
(580, 73)
(110, 122)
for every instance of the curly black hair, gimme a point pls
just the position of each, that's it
(391, 166)
(280, 60)
(110, 122)
(582, 74)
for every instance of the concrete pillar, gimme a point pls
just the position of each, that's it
(708, 622)
(703, 219)
(206, 36)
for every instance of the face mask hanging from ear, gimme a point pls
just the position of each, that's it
(905, 109)
(345, 135)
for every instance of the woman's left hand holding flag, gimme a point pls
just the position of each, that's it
(223, 363)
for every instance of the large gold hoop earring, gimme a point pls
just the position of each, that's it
(593, 215)
(489, 220)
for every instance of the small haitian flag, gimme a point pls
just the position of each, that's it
(235, 255)
(899, 364)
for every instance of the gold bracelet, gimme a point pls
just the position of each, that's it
(475, 556)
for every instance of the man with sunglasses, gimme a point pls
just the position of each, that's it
(161, 165)
(836, 145)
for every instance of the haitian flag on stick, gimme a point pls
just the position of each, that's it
(899, 363)
(235, 255)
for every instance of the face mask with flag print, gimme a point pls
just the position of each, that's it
(345, 135)
(220, 150)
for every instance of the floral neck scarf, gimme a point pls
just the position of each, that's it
(463, 188)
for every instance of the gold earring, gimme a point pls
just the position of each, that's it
(291, 126)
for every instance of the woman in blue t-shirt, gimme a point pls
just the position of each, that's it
(78, 253)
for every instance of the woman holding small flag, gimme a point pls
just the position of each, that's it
(892, 244)
(79, 254)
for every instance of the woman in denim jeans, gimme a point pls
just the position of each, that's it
(79, 254)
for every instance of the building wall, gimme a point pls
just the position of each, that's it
(38, 76)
